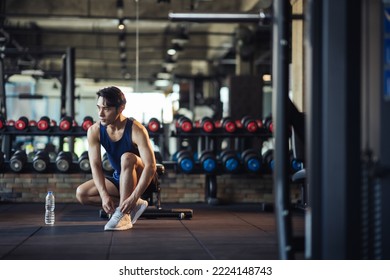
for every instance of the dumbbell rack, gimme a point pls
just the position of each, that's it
(9, 133)
(207, 138)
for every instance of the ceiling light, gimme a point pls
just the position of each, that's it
(171, 51)
(122, 40)
(121, 25)
(266, 77)
(161, 83)
(164, 76)
(122, 44)
(169, 63)
(174, 49)
(32, 72)
(123, 55)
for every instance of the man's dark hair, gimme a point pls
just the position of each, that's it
(114, 96)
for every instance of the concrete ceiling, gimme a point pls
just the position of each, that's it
(35, 34)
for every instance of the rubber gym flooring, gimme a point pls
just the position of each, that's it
(215, 232)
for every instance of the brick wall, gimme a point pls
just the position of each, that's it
(176, 188)
(32, 187)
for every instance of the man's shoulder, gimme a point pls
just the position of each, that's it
(95, 128)
(137, 124)
(138, 128)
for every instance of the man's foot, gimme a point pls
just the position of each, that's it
(119, 221)
(140, 207)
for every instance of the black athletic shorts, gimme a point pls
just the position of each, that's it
(113, 180)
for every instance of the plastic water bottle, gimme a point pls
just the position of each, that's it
(49, 206)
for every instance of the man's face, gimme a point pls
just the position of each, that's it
(107, 114)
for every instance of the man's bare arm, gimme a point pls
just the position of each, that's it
(96, 168)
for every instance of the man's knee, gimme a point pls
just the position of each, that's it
(80, 195)
(128, 160)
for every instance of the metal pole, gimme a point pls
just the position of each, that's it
(6, 142)
(70, 76)
(3, 104)
(280, 98)
(70, 87)
(63, 87)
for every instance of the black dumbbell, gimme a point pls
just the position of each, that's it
(43, 123)
(251, 159)
(87, 123)
(230, 160)
(185, 161)
(66, 123)
(154, 125)
(106, 163)
(64, 161)
(184, 124)
(52, 156)
(249, 124)
(21, 123)
(30, 156)
(229, 125)
(41, 161)
(268, 124)
(84, 163)
(208, 161)
(18, 160)
(268, 160)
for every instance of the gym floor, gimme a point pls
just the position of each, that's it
(215, 232)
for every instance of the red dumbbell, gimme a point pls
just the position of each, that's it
(21, 123)
(32, 123)
(43, 123)
(249, 124)
(260, 124)
(229, 125)
(154, 125)
(207, 124)
(184, 124)
(66, 123)
(10, 123)
(2, 123)
(87, 123)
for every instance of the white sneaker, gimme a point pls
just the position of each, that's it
(119, 221)
(139, 208)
